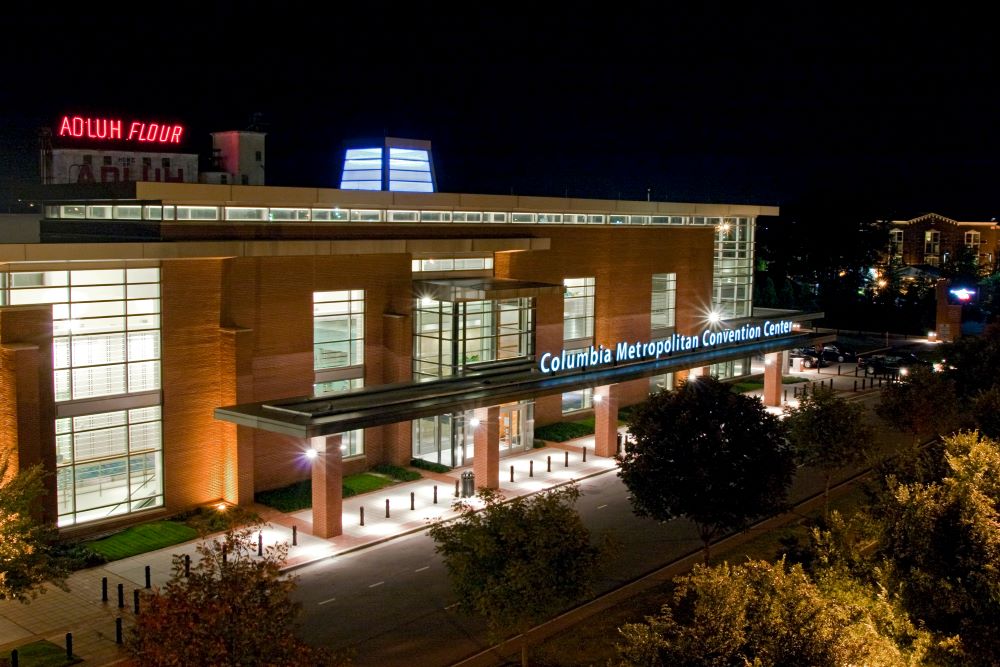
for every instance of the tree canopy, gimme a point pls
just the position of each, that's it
(233, 609)
(828, 432)
(515, 562)
(26, 557)
(770, 615)
(702, 452)
(925, 405)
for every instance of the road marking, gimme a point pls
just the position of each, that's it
(376, 584)
(425, 567)
(600, 507)
(330, 600)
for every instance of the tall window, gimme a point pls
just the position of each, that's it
(732, 279)
(338, 329)
(932, 242)
(972, 241)
(896, 240)
(578, 308)
(352, 443)
(664, 304)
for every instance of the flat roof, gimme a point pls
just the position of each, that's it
(308, 417)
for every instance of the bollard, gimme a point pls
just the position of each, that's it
(786, 396)
(880, 383)
(187, 565)
(855, 385)
(69, 647)
(531, 468)
(135, 600)
(260, 543)
(831, 384)
(224, 560)
(362, 516)
(411, 500)
(548, 464)
(14, 659)
(295, 536)
(104, 589)
(121, 596)
(584, 454)
(435, 494)
(118, 630)
(148, 582)
(566, 463)
(838, 369)
(512, 474)
(456, 488)
(386, 508)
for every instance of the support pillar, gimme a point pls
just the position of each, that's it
(772, 378)
(486, 459)
(606, 420)
(327, 493)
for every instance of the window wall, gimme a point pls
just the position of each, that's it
(578, 309)
(338, 329)
(352, 443)
(663, 309)
(105, 345)
(732, 283)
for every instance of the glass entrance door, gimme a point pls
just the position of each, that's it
(512, 428)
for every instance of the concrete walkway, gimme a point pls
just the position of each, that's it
(92, 622)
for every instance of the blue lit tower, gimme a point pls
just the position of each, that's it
(409, 167)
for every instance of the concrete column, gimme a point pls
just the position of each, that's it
(772, 378)
(327, 493)
(486, 459)
(606, 420)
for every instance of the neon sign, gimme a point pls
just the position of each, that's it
(110, 129)
(626, 351)
(963, 294)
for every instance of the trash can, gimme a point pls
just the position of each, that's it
(468, 484)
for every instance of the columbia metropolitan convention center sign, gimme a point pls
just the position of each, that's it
(627, 351)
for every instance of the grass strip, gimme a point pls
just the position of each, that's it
(41, 653)
(142, 538)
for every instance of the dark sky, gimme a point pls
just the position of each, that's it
(884, 109)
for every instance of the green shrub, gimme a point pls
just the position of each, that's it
(429, 465)
(396, 472)
(538, 444)
(563, 431)
(78, 556)
(291, 498)
(212, 520)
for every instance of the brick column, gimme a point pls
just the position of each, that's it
(606, 420)
(772, 378)
(327, 493)
(236, 384)
(486, 459)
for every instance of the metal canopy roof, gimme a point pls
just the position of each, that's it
(482, 289)
(307, 417)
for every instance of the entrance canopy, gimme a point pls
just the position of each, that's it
(482, 289)
(308, 417)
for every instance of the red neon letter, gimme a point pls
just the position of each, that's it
(90, 134)
(164, 134)
(175, 137)
(64, 127)
(77, 126)
(133, 130)
(116, 131)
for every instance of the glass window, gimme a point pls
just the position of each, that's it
(932, 242)
(242, 213)
(578, 308)
(581, 399)
(338, 329)
(664, 303)
(352, 443)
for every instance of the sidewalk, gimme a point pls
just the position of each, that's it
(92, 622)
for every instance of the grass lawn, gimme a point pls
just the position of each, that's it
(757, 382)
(298, 496)
(365, 482)
(142, 538)
(40, 654)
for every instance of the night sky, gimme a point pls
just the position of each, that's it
(889, 112)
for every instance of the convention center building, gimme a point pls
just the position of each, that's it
(167, 345)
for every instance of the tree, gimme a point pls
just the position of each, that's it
(926, 404)
(718, 458)
(828, 433)
(233, 609)
(942, 539)
(27, 559)
(986, 412)
(769, 615)
(516, 562)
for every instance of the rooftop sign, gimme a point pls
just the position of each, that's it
(117, 129)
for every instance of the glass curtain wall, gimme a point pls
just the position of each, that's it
(732, 288)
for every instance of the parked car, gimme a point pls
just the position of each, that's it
(898, 363)
(832, 353)
(808, 360)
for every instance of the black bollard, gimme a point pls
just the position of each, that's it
(14, 658)
(135, 600)
(786, 396)
(295, 536)
(121, 596)
(512, 474)
(584, 454)
(855, 385)
(566, 460)
(69, 647)
(831, 384)
(104, 589)
(362, 516)
(456, 488)
(531, 468)
(260, 543)
(548, 464)
(149, 583)
(838, 369)
(411, 500)
(224, 555)
(435, 494)
(386, 508)
(187, 565)
(118, 630)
